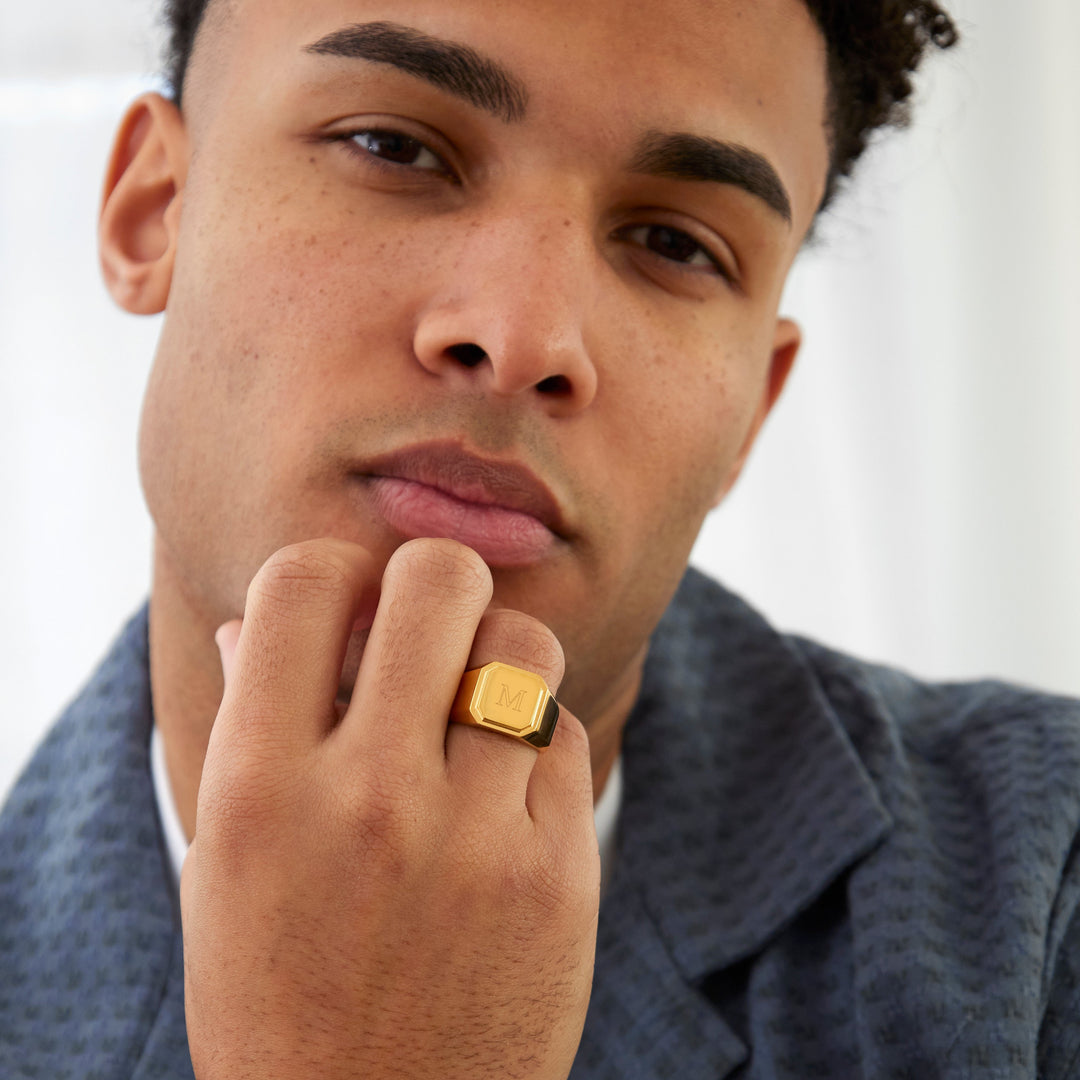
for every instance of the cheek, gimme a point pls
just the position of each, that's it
(681, 419)
(289, 301)
(271, 342)
(676, 441)
(289, 269)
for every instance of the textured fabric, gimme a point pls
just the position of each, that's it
(90, 946)
(830, 869)
(825, 868)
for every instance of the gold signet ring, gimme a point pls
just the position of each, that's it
(508, 700)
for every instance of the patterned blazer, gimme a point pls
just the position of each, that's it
(824, 868)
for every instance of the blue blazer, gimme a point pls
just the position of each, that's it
(824, 868)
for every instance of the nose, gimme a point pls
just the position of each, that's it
(509, 313)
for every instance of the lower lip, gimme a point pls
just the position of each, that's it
(501, 537)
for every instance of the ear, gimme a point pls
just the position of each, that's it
(786, 342)
(140, 206)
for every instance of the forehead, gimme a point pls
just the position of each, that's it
(746, 71)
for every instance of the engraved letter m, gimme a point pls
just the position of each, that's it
(510, 703)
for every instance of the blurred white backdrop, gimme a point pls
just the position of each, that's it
(916, 497)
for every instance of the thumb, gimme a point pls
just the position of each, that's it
(228, 634)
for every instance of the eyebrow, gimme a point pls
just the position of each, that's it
(682, 156)
(450, 66)
(481, 81)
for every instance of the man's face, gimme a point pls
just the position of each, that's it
(391, 262)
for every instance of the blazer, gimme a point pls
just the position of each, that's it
(824, 868)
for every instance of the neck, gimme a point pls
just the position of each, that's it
(186, 682)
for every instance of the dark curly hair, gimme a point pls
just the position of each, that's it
(874, 48)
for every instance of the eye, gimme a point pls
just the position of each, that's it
(396, 149)
(674, 245)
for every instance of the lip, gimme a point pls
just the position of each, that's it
(501, 509)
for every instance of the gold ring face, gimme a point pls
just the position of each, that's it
(509, 700)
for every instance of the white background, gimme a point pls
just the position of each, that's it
(916, 497)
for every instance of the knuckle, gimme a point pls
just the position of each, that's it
(303, 574)
(556, 886)
(385, 792)
(572, 737)
(246, 793)
(388, 826)
(380, 831)
(442, 570)
(524, 641)
(566, 870)
(545, 879)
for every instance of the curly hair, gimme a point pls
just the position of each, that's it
(874, 48)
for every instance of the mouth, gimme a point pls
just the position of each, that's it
(498, 508)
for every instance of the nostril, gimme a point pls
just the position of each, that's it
(467, 354)
(556, 385)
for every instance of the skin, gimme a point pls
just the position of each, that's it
(313, 304)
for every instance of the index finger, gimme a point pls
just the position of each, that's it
(301, 609)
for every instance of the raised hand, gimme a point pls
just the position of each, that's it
(384, 895)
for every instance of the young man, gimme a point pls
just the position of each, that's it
(471, 317)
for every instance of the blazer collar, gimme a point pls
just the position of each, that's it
(86, 898)
(744, 800)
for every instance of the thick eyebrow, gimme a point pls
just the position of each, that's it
(453, 67)
(681, 156)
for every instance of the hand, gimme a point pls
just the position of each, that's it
(385, 896)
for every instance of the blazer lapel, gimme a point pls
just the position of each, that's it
(645, 1020)
(166, 1055)
(88, 919)
(744, 800)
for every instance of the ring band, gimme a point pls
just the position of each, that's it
(508, 700)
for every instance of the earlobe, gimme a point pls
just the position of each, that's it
(786, 342)
(140, 208)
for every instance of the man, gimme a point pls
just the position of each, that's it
(471, 317)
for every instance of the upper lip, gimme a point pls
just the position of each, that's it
(469, 477)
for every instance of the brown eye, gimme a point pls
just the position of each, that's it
(707, 262)
(394, 147)
(673, 244)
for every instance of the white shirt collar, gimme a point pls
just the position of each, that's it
(176, 843)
